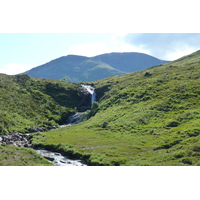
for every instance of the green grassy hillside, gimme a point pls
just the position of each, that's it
(27, 103)
(15, 156)
(91, 70)
(152, 118)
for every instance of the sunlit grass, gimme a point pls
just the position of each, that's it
(152, 118)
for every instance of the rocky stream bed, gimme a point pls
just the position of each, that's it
(23, 139)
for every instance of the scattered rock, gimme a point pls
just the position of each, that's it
(147, 74)
(173, 124)
(15, 139)
(187, 161)
(36, 129)
(49, 158)
(105, 124)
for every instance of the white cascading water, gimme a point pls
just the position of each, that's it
(90, 90)
(76, 118)
(57, 158)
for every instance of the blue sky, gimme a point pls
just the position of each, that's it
(35, 32)
(22, 51)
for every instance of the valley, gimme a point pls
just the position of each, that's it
(144, 118)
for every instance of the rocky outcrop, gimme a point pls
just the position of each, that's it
(75, 119)
(85, 103)
(22, 139)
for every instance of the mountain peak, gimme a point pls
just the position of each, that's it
(76, 68)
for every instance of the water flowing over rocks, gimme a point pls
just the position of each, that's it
(90, 90)
(23, 139)
(58, 159)
(75, 119)
(88, 96)
(87, 91)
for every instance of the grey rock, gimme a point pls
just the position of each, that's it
(105, 124)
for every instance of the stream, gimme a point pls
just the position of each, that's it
(57, 158)
(23, 140)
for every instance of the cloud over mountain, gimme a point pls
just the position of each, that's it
(166, 45)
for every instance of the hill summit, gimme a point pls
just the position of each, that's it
(74, 68)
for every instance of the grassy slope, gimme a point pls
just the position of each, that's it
(15, 156)
(90, 70)
(27, 102)
(153, 119)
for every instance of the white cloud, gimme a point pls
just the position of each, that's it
(93, 49)
(88, 49)
(178, 53)
(14, 68)
(168, 46)
(116, 43)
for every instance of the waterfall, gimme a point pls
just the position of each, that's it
(93, 97)
(76, 118)
(90, 90)
(57, 158)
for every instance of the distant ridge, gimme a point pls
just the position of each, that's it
(129, 61)
(74, 68)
